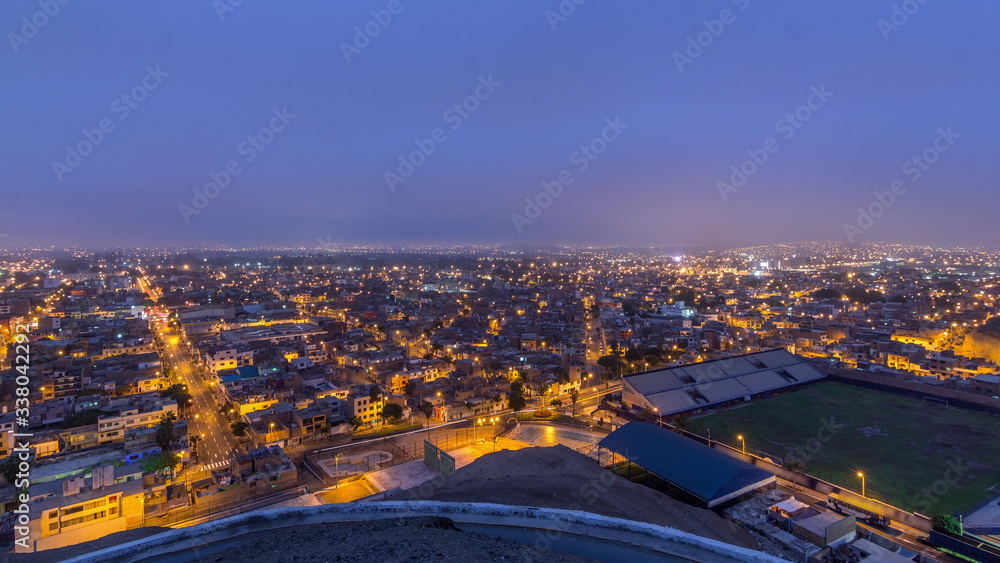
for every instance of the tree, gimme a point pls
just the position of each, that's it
(826, 293)
(653, 355)
(633, 355)
(374, 393)
(410, 388)
(84, 418)
(178, 392)
(947, 523)
(681, 293)
(562, 376)
(795, 465)
(8, 469)
(174, 389)
(555, 403)
(574, 396)
(356, 422)
(610, 362)
(165, 432)
(516, 399)
(427, 409)
(392, 412)
(681, 421)
(240, 428)
(160, 462)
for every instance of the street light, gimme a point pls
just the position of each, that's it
(862, 476)
(336, 470)
(743, 442)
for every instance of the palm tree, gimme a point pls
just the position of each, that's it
(681, 421)
(795, 466)
(427, 409)
(574, 396)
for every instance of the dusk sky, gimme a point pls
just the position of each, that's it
(340, 110)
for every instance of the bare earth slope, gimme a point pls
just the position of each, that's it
(558, 477)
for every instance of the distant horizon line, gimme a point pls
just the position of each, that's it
(516, 247)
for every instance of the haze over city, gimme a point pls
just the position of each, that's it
(693, 105)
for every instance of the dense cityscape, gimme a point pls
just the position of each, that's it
(177, 387)
(560, 281)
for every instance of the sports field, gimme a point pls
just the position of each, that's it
(919, 456)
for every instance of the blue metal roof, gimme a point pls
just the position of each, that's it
(698, 469)
(248, 372)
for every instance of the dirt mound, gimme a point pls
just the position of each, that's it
(559, 477)
(405, 539)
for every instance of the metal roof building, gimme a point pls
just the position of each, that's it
(695, 386)
(641, 450)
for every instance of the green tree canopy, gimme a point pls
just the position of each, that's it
(516, 399)
(392, 412)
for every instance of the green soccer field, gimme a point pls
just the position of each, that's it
(919, 456)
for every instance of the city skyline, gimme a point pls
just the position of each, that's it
(315, 116)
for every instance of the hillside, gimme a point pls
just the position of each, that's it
(559, 477)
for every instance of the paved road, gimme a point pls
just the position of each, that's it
(216, 443)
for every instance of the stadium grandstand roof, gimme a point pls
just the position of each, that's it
(689, 387)
(704, 472)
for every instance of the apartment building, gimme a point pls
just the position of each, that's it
(76, 510)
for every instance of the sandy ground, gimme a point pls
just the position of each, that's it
(409, 539)
(558, 477)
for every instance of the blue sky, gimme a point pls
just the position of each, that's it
(556, 80)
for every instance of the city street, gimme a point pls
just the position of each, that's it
(216, 443)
